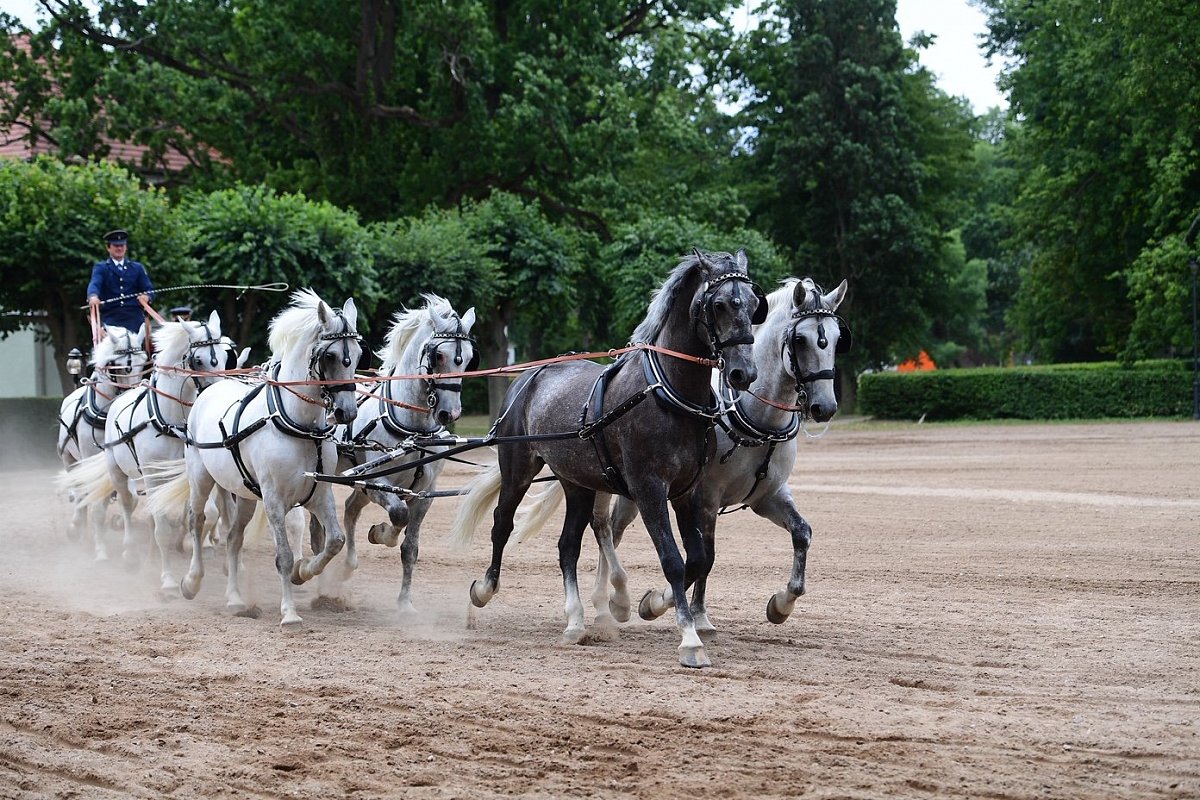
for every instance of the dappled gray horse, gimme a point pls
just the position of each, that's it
(590, 425)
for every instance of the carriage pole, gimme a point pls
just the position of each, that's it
(1190, 240)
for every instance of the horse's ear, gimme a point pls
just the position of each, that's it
(324, 313)
(214, 320)
(740, 257)
(243, 357)
(835, 298)
(799, 294)
(700, 257)
(350, 312)
(112, 337)
(468, 319)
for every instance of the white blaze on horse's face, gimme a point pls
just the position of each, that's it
(336, 356)
(813, 346)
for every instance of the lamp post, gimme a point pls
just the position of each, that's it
(75, 358)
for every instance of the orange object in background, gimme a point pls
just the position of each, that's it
(922, 363)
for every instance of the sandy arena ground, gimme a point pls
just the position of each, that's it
(994, 611)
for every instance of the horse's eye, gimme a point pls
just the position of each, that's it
(801, 342)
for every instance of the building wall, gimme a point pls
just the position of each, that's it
(29, 369)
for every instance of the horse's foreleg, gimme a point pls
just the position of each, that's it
(324, 508)
(653, 508)
(410, 550)
(780, 509)
(285, 560)
(385, 533)
(200, 484)
(235, 538)
(513, 476)
(580, 502)
(699, 609)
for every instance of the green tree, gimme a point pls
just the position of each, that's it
(1109, 166)
(52, 218)
(859, 160)
(248, 235)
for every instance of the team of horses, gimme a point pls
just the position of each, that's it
(698, 415)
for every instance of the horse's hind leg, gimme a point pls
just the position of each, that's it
(610, 608)
(518, 466)
(580, 502)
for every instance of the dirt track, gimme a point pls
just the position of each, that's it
(1002, 611)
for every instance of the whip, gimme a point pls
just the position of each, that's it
(262, 287)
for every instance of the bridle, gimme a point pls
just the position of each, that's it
(708, 315)
(429, 361)
(317, 371)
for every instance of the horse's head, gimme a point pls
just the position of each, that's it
(813, 337)
(204, 359)
(725, 308)
(334, 357)
(449, 349)
(120, 357)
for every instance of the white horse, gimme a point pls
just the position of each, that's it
(262, 442)
(794, 352)
(119, 362)
(428, 341)
(149, 425)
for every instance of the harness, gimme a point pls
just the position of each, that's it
(664, 394)
(89, 409)
(278, 416)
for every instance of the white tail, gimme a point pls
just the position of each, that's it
(88, 480)
(172, 489)
(531, 518)
(481, 494)
(256, 528)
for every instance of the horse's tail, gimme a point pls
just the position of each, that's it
(481, 494)
(256, 528)
(88, 481)
(171, 488)
(531, 518)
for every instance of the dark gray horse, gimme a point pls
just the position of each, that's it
(794, 351)
(588, 423)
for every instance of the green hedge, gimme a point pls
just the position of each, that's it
(1065, 391)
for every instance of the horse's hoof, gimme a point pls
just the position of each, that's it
(479, 599)
(298, 577)
(405, 607)
(253, 612)
(383, 533)
(704, 625)
(619, 608)
(572, 636)
(776, 613)
(292, 623)
(694, 657)
(236, 609)
(648, 608)
(189, 588)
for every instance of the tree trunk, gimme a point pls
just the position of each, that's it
(496, 355)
